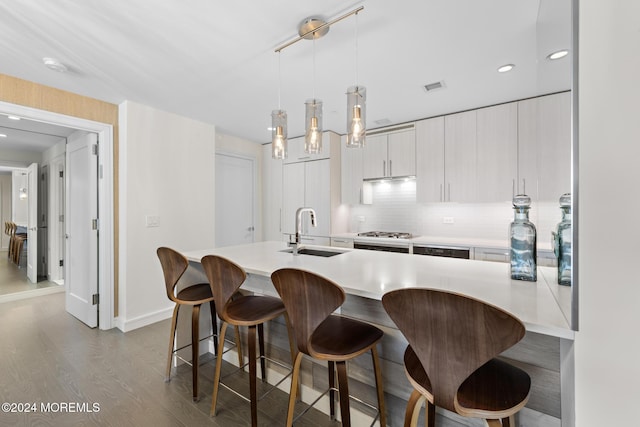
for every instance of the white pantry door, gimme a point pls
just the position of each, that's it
(81, 228)
(32, 222)
(234, 200)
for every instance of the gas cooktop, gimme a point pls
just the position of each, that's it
(387, 234)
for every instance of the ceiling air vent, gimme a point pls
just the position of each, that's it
(433, 86)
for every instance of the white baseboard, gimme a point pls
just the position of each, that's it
(126, 325)
(31, 293)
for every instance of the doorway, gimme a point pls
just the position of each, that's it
(235, 199)
(105, 257)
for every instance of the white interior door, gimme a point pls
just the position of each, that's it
(234, 200)
(32, 222)
(81, 248)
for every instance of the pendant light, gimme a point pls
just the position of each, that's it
(313, 116)
(279, 126)
(356, 108)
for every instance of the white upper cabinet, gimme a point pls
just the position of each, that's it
(295, 150)
(497, 148)
(544, 146)
(430, 160)
(389, 155)
(272, 195)
(351, 185)
(460, 157)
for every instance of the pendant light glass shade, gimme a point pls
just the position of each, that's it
(313, 126)
(356, 116)
(279, 134)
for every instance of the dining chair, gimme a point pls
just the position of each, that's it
(310, 300)
(451, 357)
(251, 311)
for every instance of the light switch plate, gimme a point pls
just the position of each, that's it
(152, 220)
(447, 220)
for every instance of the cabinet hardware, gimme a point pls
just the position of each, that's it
(390, 170)
(384, 168)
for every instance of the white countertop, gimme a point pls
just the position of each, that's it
(372, 273)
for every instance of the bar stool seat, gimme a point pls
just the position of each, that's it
(310, 300)
(341, 338)
(451, 358)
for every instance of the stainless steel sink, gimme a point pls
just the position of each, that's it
(315, 252)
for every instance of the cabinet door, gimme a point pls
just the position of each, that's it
(317, 195)
(430, 160)
(401, 148)
(554, 138)
(296, 150)
(351, 174)
(528, 148)
(293, 177)
(497, 148)
(374, 157)
(272, 196)
(460, 157)
(544, 146)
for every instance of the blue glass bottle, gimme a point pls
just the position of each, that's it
(522, 234)
(562, 241)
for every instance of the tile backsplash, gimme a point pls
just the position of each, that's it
(394, 208)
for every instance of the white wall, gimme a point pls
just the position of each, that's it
(19, 206)
(607, 347)
(166, 170)
(5, 206)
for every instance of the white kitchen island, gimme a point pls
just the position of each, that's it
(365, 276)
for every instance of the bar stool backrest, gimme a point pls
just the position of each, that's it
(309, 299)
(225, 278)
(452, 335)
(174, 264)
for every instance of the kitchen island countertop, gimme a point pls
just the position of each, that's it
(542, 306)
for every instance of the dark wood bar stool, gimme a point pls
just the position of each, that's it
(174, 265)
(450, 361)
(251, 311)
(310, 300)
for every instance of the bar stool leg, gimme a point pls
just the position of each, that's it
(172, 339)
(238, 347)
(195, 348)
(263, 365)
(253, 374)
(430, 414)
(295, 376)
(214, 326)
(332, 393)
(343, 388)
(216, 379)
(413, 409)
(378, 373)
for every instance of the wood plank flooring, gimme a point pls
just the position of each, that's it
(14, 280)
(48, 357)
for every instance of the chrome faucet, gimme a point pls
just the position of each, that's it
(312, 215)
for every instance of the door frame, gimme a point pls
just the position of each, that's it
(257, 232)
(105, 197)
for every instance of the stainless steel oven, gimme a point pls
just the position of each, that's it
(386, 241)
(442, 251)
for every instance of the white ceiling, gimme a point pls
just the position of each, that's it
(214, 61)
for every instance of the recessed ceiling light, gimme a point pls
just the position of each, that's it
(270, 129)
(13, 117)
(506, 68)
(558, 54)
(54, 64)
(2, 135)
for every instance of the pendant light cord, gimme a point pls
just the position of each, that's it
(356, 55)
(279, 79)
(314, 68)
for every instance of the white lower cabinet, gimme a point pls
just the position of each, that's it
(491, 254)
(341, 242)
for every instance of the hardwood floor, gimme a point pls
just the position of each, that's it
(14, 280)
(50, 359)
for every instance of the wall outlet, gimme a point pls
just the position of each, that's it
(447, 220)
(361, 218)
(152, 220)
